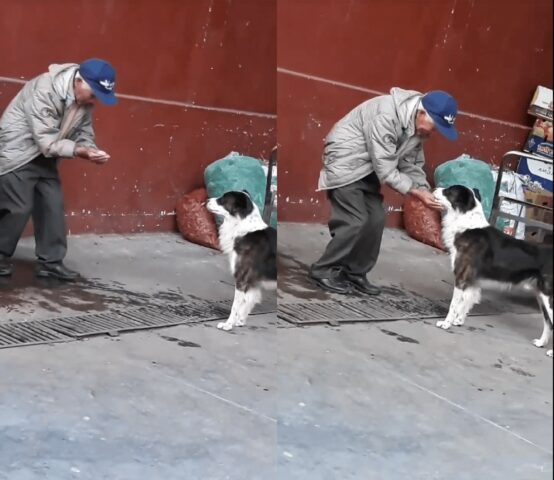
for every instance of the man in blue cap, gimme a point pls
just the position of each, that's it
(49, 119)
(379, 142)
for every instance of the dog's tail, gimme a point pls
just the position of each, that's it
(545, 252)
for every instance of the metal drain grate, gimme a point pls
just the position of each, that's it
(28, 333)
(392, 304)
(136, 319)
(62, 329)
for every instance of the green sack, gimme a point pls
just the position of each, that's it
(471, 173)
(236, 172)
(273, 216)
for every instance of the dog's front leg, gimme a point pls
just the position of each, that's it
(461, 304)
(236, 309)
(252, 297)
(470, 297)
(454, 305)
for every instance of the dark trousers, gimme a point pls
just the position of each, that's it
(356, 226)
(33, 190)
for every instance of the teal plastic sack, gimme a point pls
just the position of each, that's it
(236, 172)
(273, 217)
(471, 173)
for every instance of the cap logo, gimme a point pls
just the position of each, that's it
(450, 119)
(109, 85)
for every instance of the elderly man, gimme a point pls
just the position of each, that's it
(379, 142)
(49, 119)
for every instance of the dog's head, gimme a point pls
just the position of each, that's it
(236, 205)
(458, 198)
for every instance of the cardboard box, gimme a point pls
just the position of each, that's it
(538, 146)
(539, 198)
(539, 142)
(538, 171)
(541, 104)
(543, 129)
(541, 132)
(537, 235)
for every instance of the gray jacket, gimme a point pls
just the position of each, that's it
(377, 136)
(31, 123)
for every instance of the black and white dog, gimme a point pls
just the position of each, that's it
(481, 254)
(251, 246)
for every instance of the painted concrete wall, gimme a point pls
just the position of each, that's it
(333, 55)
(196, 80)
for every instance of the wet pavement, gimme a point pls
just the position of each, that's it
(116, 271)
(377, 400)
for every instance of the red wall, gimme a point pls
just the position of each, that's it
(334, 54)
(196, 79)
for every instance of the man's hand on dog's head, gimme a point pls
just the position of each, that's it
(427, 198)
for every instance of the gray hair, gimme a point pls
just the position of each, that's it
(85, 84)
(420, 108)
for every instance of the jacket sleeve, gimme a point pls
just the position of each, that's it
(382, 143)
(84, 134)
(412, 166)
(44, 123)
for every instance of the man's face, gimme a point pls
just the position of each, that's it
(84, 96)
(425, 125)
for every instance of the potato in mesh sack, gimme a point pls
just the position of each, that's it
(195, 222)
(422, 223)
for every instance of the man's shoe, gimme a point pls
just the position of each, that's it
(56, 270)
(362, 285)
(334, 284)
(6, 268)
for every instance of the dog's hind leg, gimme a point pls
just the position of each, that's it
(461, 304)
(545, 304)
(252, 297)
(234, 317)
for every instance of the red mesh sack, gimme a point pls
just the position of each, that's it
(422, 223)
(195, 222)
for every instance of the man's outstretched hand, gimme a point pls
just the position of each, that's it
(92, 154)
(427, 198)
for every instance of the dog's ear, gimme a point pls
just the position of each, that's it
(247, 192)
(477, 194)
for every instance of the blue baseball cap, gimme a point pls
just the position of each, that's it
(100, 75)
(442, 108)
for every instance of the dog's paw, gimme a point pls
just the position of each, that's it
(539, 343)
(458, 322)
(225, 326)
(549, 353)
(240, 323)
(444, 324)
